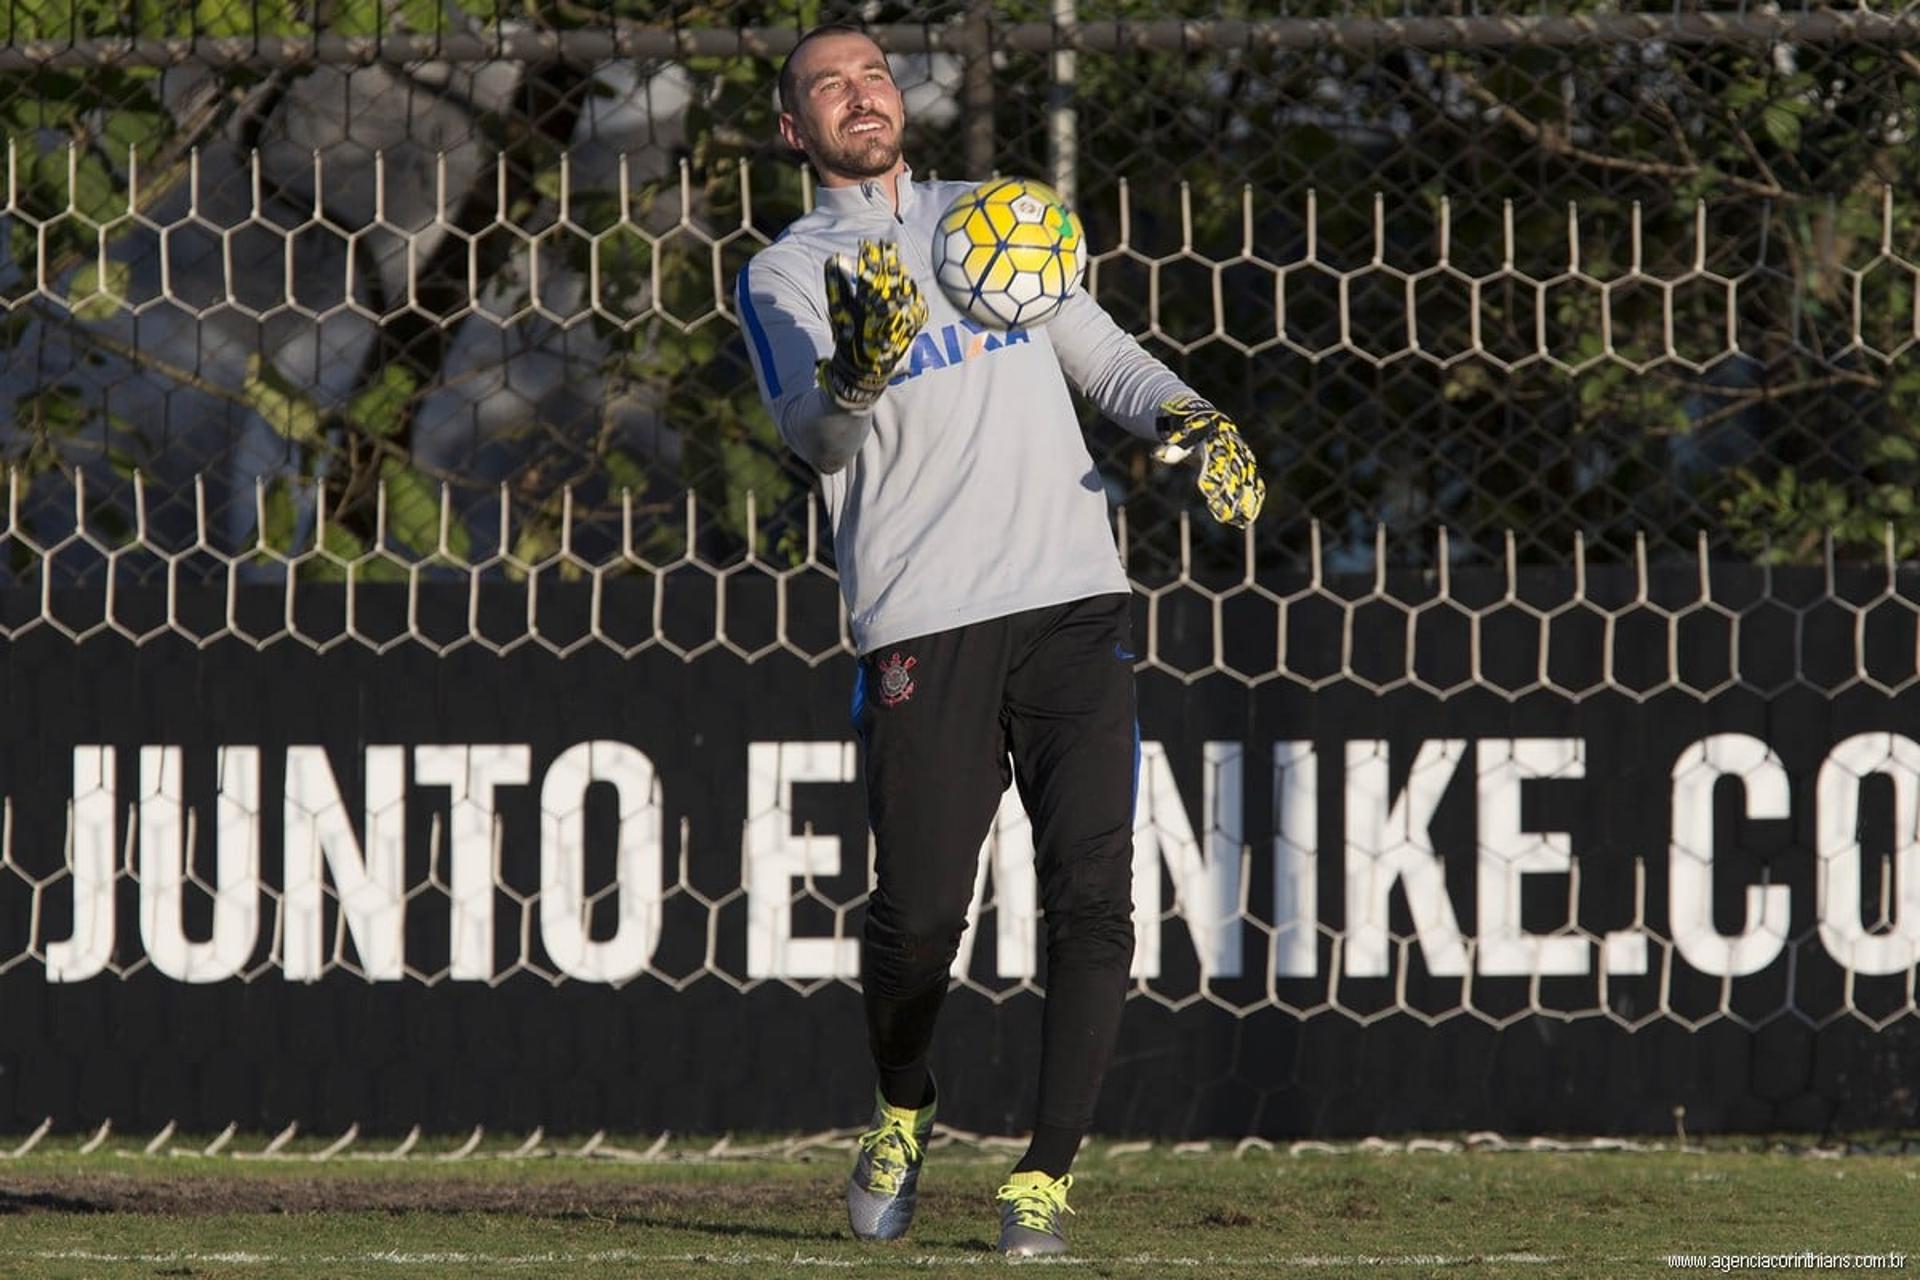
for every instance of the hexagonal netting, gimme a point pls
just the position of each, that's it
(1577, 346)
(1585, 271)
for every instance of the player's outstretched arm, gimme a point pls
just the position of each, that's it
(1229, 479)
(1141, 394)
(874, 309)
(1123, 380)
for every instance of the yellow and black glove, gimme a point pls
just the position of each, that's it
(875, 309)
(1229, 480)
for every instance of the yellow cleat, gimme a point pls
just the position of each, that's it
(885, 1184)
(1031, 1206)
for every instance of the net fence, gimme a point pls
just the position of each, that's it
(1564, 684)
(1698, 628)
(1641, 794)
(1631, 275)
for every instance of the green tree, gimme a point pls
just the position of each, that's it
(1637, 418)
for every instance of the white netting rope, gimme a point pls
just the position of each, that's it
(240, 252)
(477, 1145)
(1646, 631)
(1634, 633)
(1223, 924)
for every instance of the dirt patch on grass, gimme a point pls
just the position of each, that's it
(123, 1193)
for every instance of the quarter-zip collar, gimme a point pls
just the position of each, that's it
(867, 198)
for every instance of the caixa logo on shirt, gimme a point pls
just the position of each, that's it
(954, 344)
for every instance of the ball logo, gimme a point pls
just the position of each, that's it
(1028, 209)
(896, 679)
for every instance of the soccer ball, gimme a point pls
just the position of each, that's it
(1007, 252)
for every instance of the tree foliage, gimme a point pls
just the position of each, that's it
(1642, 421)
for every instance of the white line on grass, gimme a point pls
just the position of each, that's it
(445, 1258)
(1371, 1260)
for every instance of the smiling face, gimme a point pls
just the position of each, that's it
(846, 112)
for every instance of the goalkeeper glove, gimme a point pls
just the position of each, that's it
(875, 309)
(1229, 480)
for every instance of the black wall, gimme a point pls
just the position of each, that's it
(1782, 1048)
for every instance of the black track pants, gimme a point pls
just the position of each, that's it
(1045, 699)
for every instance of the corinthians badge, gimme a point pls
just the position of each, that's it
(896, 679)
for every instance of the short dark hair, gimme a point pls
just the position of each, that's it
(789, 91)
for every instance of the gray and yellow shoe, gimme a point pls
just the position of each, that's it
(1031, 1206)
(885, 1184)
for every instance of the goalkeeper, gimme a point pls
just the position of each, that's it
(988, 605)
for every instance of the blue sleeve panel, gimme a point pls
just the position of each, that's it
(788, 334)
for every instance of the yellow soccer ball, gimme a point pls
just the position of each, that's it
(1007, 253)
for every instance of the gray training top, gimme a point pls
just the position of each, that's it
(966, 492)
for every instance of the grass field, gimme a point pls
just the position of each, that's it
(1140, 1214)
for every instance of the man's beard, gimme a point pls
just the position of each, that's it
(860, 157)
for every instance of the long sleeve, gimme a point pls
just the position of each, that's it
(1124, 382)
(967, 491)
(788, 335)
